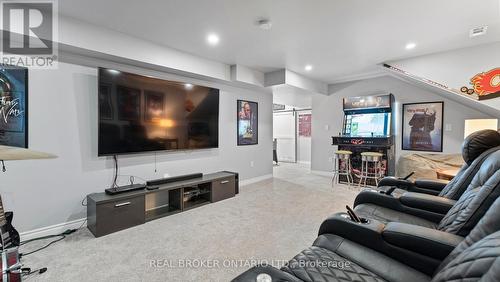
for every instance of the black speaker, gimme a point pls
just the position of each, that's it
(173, 179)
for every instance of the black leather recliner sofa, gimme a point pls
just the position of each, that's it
(394, 252)
(457, 217)
(412, 237)
(475, 148)
(434, 211)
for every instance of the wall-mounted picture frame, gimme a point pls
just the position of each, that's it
(247, 122)
(14, 106)
(154, 106)
(422, 128)
(129, 103)
(305, 125)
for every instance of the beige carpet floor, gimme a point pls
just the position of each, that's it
(269, 221)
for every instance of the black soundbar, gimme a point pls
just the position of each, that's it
(123, 189)
(173, 179)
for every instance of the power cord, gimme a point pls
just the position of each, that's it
(27, 271)
(116, 175)
(62, 235)
(44, 247)
(114, 185)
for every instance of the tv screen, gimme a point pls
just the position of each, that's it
(368, 125)
(140, 114)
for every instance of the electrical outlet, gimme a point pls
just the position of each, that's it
(327, 127)
(447, 127)
(166, 175)
(251, 163)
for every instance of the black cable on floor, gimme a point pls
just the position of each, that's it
(64, 234)
(39, 249)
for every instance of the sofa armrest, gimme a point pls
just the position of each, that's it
(275, 274)
(395, 203)
(397, 182)
(429, 242)
(431, 184)
(430, 203)
(432, 187)
(340, 224)
(370, 235)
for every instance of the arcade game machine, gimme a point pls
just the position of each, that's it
(367, 127)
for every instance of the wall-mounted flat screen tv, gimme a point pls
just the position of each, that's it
(142, 114)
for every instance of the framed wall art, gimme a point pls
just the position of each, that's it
(14, 106)
(423, 127)
(247, 122)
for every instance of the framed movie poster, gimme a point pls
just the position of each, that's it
(423, 127)
(14, 106)
(248, 121)
(154, 106)
(305, 125)
(129, 103)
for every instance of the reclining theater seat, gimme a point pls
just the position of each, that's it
(425, 211)
(338, 258)
(475, 148)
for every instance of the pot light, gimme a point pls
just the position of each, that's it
(213, 39)
(308, 67)
(188, 86)
(478, 31)
(265, 24)
(113, 71)
(410, 45)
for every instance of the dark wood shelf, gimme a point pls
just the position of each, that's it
(161, 212)
(195, 203)
(110, 213)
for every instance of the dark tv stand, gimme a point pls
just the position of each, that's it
(110, 213)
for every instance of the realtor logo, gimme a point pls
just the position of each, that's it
(29, 30)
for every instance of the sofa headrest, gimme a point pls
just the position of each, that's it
(478, 142)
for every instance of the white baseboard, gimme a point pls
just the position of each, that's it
(322, 173)
(304, 162)
(53, 229)
(255, 179)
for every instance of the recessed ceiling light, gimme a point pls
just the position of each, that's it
(410, 45)
(308, 67)
(478, 31)
(265, 24)
(188, 86)
(113, 71)
(213, 39)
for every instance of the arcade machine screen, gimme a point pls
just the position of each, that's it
(367, 125)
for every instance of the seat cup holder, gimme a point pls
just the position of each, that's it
(363, 220)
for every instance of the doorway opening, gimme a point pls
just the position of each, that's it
(292, 135)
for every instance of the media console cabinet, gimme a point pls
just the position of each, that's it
(110, 213)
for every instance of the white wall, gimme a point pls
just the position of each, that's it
(284, 132)
(327, 111)
(455, 68)
(303, 144)
(63, 121)
(292, 96)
